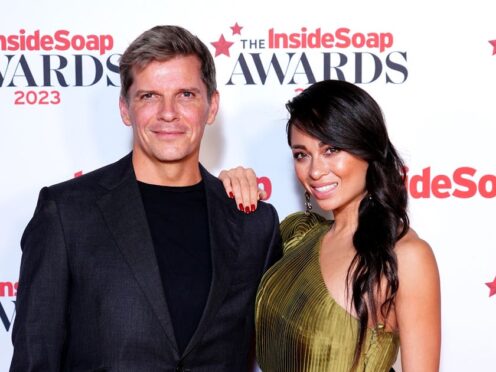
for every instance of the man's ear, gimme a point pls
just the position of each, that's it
(124, 109)
(214, 107)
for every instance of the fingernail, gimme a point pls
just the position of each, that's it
(247, 210)
(231, 195)
(253, 207)
(240, 206)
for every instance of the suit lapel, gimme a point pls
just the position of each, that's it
(225, 224)
(125, 216)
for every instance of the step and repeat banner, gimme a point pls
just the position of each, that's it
(431, 66)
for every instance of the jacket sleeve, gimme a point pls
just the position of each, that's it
(274, 251)
(39, 329)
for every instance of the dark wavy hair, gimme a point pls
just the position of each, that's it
(345, 116)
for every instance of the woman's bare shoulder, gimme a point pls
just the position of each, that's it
(415, 256)
(412, 247)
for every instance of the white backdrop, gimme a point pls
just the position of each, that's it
(434, 76)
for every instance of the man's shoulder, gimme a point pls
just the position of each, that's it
(267, 209)
(109, 174)
(264, 221)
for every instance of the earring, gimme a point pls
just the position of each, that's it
(308, 205)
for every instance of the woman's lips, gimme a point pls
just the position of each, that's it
(321, 191)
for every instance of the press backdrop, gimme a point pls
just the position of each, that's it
(430, 65)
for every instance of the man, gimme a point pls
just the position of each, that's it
(145, 264)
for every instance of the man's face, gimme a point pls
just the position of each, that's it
(168, 108)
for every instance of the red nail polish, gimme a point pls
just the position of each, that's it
(253, 207)
(247, 210)
(240, 206)
(231, 195)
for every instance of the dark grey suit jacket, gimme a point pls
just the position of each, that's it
(90, 295)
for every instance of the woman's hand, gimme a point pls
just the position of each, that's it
(241, 184)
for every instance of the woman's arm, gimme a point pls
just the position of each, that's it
(418, 305)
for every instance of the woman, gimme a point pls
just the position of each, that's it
(349, 291)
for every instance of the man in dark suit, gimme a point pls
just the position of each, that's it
(146, 265)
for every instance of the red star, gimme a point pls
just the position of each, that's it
(222, 46)
(492, 287)
(493, 43)
(236, 29)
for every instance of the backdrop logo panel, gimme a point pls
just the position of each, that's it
(8, 292)
(305, 55)
(492, 287)
(266, 184)
(35, 59)
(492, 284)
(463, 183)
(493, 43)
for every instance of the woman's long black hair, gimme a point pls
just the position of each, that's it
(345, 116)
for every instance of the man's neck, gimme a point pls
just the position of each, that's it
(167, 173)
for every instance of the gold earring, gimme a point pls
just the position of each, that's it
(308, 205)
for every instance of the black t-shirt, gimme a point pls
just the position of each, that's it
(178, 222)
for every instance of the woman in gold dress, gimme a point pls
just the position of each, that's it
(348, 291)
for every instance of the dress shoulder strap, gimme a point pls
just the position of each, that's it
(295, 226)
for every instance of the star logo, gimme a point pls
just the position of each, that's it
(493, 43)
(492, 287)
(222, 46)
(236, 29)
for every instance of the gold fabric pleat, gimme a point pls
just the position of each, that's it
(299, 325)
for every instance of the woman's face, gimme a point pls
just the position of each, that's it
(335, 178)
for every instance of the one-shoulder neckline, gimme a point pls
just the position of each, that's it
(321, 281)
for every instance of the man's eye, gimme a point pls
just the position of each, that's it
(187, 94)
(146, 95)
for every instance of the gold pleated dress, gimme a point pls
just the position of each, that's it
(299, 326)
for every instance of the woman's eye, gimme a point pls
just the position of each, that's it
(331, 150)
(299, 155)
